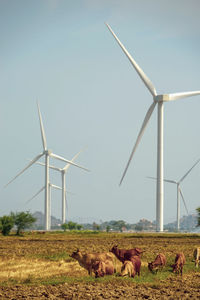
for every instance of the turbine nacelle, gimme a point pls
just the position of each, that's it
(48, 152)
(161, 98)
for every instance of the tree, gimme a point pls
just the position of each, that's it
(119, 225)
(95, 226)
(79, 226)
(23, 220)
(72, 225)
(138, 227)
(107, 228)
(198, 217)
(64, 226)
(6, 224)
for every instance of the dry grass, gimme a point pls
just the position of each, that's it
(22, 269)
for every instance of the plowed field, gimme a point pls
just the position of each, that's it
(38, 266)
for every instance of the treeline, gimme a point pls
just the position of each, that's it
(19, 220)
(24, 220)
(121, 226)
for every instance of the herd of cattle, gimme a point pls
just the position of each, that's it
(127, 262)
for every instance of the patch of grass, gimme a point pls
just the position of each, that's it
(59, 256)
(9, 281)
(189, 267)
(53, 257)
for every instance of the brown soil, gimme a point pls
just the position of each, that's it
(26, 272)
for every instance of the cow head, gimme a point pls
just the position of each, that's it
(139, 251)
(175, 268)
(114, 249)
(150, 266)
(75, 254)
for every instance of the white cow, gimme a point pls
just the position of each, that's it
(196, 255)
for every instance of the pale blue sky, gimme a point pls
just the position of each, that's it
(62, 54)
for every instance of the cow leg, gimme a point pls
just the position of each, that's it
(90, 271)
(197, 263)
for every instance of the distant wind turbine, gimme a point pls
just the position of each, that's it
(42, 189)
(49, 202)
(179, 193)
(63, 174)
(157, 99)
(47, 153)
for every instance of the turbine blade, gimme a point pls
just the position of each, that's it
(56, 187)
(145, 122)
(140, 72)
(176, 96)
(189, 171)
(152, 177)
(42, 129)
(73, 159)
(166, 180)
(29, 165)
(183, 200)
(170, 181)
(35, 194)
(50, 166)
(68, 161)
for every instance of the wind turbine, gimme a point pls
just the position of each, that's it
(63, 175)
(51, 185)
(179, 193)
(157, 100)
(47, 153)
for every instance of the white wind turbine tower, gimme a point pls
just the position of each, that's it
(47, 153)
(63, 174)
(179, 193)
(51, 185)
(157, 99)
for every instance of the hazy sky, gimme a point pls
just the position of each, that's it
(61, 53)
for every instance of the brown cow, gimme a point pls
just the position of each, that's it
(179, 263)
(196, 255)
(123, 254)
(131, 267)
(102, 268)
(86, 260)
(158, 263)
(136, 261)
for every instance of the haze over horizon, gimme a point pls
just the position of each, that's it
(61, 54)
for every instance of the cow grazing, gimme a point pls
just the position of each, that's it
(86, 260)
(196, 255)
(102, 268)
(131, 267)
(123, 254)
(158, 263)
(179, 263)
(128, 269)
